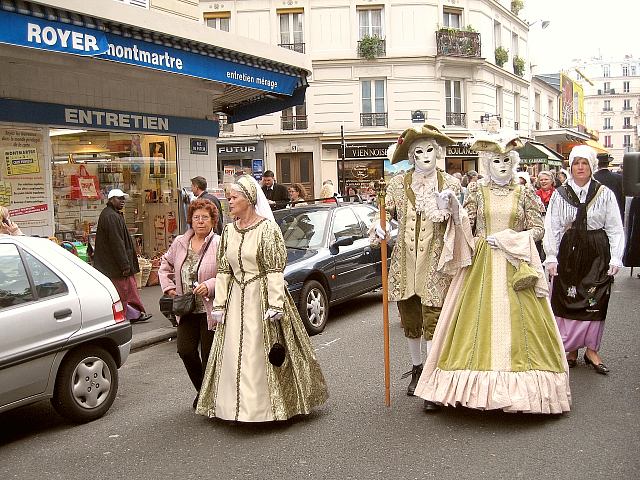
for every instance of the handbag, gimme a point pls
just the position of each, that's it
(186, 303)
(84, 186)
(525, 277)
(277, 352)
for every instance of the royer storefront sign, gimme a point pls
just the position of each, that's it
(26, 31)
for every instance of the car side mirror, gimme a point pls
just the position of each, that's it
(340, 242)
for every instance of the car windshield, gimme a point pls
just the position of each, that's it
(303, 229)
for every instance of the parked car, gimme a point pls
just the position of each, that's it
(329, 257)
(64, 331)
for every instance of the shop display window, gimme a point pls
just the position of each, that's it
(86, 165)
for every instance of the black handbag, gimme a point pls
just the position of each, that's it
(186, 303)
(277, 352)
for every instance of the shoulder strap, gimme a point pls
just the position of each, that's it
(204, 250)
(568, 195)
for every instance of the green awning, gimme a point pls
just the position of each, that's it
(536, 152)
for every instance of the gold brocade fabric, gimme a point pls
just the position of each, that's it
(415, 256)
(240, 384)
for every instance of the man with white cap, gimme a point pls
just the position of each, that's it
(115, 255)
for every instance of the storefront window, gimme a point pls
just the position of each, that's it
(87, 165)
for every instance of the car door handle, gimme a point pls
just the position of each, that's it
(60, 314)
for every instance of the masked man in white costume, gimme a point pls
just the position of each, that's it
(424, 201)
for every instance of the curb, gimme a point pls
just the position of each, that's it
(152, 337)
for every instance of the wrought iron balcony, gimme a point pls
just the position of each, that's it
(605, 109)
(373, 119)
(294, 122)
(372, 47)
(457, 119)
(608, 127)
(296, 47)
(627, 126)
(628, 148)
(458, 43)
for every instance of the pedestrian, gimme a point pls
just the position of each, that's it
(584, 243)
(262, 365)
(277, 195)
(547, 182)
(611, 180)
(327, 192)
(189, 266)
(115, 255)
(632, 250)
(7, 227)
(561, 177)
(199, 189)
(424, 202)
(297, 195)
(497, 345)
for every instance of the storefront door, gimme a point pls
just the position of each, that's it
(296, 168)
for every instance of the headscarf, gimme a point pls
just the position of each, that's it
(586, 152)
(248, 186)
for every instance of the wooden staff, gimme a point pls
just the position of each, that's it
(381, 188)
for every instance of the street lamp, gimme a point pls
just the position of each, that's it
(543, 23)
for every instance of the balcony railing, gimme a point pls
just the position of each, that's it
(458, 43)
(627, 126)
(294, 122)
(608, 127)
(626, 108)
(296, 47)
(608, 91)
(457, 119)
(373, 119)
(628, 149)
(609, 109)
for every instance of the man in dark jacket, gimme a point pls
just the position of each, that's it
(610, 179)
(115, 255)
(277, 195)
(199, 189)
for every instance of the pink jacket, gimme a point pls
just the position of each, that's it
(172, 261)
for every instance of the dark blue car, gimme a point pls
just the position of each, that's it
(329, 258)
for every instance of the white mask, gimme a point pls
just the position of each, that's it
(424, 153)
(501, 169)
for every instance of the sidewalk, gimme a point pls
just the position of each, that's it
(155, 330)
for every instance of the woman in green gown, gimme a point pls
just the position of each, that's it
(253, 310)
(497, 345)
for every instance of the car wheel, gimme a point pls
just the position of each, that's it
(86, 384)
(314, 306)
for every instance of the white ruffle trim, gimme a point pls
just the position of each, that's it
(533, 391)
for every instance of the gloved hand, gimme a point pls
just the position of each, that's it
(454, 206)
(613, 270)
(218, 317)
(442, 200)
(552, 269)
(273, 315)
(491, 240)
(380, 232)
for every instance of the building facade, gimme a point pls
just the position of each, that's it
(612, 102)
(378, 68)
(96, 95)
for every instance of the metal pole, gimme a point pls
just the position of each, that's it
(343, 174)
(381, 186)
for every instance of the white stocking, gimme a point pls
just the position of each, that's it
(414, 350)
(426, 347)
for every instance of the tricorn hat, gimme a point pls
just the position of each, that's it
(401, 151)
(497, 146)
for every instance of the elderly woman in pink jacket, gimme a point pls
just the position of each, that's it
(190, 266)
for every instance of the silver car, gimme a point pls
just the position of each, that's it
(64, 331)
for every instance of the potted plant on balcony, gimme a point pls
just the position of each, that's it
(502, 55)
(370, 47)
(518, 66)
(516, 6)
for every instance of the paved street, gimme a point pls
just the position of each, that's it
(151, 431)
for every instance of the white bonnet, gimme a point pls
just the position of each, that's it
(586, 152)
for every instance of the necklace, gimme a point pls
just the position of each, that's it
(245, 225)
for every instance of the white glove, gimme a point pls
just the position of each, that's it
(612, 270)
(454, 206)
(491, 240)
(218, 317)
(382, 233)
(552, 269)
(442, 200)
(273, 315)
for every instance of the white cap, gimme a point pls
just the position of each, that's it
(116, 192)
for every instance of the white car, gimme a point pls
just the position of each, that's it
(64, 331)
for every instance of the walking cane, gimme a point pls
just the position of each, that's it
(381, 186)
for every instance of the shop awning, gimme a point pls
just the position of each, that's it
(597, 146)
(258, 78)
(560, 135)
(535, 152)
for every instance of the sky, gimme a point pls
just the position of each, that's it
(580, 29)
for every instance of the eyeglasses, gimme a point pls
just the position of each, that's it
(200, 218)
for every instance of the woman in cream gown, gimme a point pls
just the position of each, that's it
(253, 310)
(496, 347)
